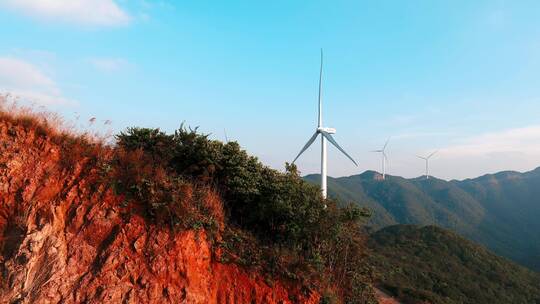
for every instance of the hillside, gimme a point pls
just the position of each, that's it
(432, 265)
(157, 218)
(499, 211)
(168, 218)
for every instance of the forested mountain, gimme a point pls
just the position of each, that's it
(500, 211)
(432, 265)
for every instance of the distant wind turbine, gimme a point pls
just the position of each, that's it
(426, 158)
(384, 157)
(226, 137)
(325, 135)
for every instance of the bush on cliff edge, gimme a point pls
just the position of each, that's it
(295, 234)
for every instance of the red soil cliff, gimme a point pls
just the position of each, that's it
(65, 236)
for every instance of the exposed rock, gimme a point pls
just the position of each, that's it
(66, 237)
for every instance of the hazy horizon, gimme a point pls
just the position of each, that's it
(459, 77)
(423, 175)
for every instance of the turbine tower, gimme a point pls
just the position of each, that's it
(384, 157)
(226, 137)
(325, 135)
(426, 158)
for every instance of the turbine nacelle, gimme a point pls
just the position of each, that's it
(326, 130)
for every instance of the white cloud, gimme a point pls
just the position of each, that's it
(85, 12)
(518, 140)
(512, 149)
(24, 80)
(109, 64)
(412, 135)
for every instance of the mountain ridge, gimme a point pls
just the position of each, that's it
(377, 174)
(497, 210)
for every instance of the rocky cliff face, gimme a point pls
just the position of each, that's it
(66, 237)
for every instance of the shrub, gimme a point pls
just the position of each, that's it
(153, 142)
(297, 233)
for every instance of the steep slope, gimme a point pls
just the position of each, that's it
(499, 211)
(399, 200)
(512, 201)
(345, 192)
(67, 237)
(432, 265)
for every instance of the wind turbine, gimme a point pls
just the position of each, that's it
(426, 158)
(325, 135)
(226, 137)
(384, 157)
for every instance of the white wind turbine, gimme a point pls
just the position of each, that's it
(226, 137)
(384, 157)
(325, 135)
(426, 158)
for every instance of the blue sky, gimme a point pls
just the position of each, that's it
(459, 76)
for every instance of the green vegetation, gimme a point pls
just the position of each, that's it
(500, 211)
(273, 220)
(279, 224)
(432, 265)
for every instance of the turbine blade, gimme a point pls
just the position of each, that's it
(386, 143)
(333, 141)
(320, 91)
(377, 151)
(421, 157)
(432, 154)
(310, 141)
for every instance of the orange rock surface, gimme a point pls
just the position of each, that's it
(66, 239)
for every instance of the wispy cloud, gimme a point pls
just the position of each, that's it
(84, 12)
(27, 81)
(109, 64)
(411, 135)
(519, 140)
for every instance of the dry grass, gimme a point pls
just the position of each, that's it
(48, 123)
(75, 145)
(45, 123)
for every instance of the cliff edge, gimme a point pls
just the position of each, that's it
(68, 237)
